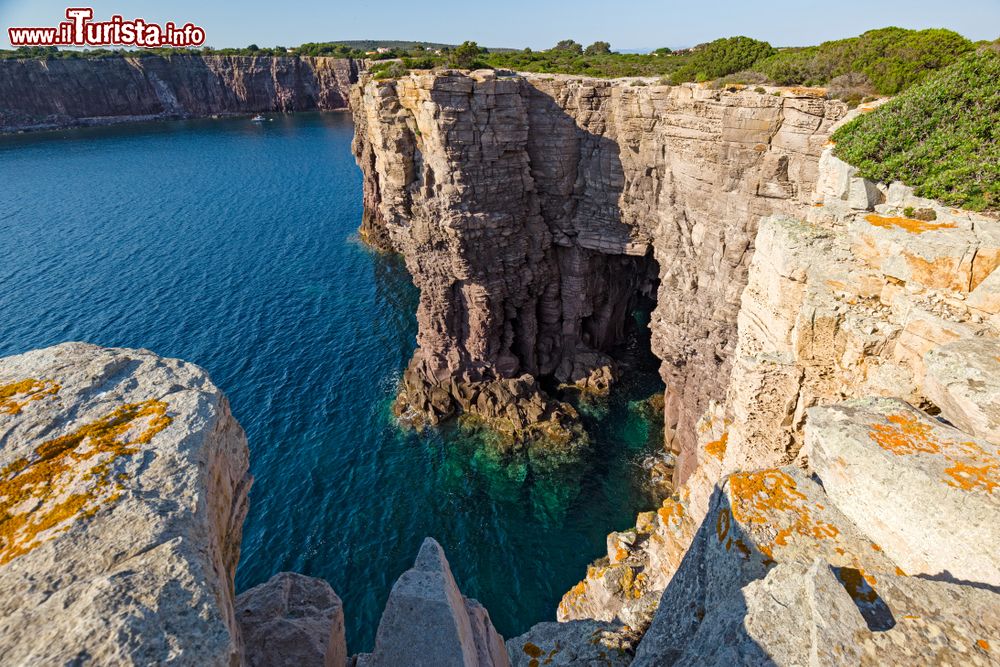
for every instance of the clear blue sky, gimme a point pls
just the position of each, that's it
(627, 24)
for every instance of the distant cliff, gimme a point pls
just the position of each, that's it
(44, 94)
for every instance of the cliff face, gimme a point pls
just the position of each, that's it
(811, 330)
(39, 94)
(532, 210)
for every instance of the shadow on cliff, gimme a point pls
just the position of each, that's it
(579, 180)
(704, 613)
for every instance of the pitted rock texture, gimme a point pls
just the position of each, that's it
(812, 614)
(573, 644)
(292, 619)
(928, 493)
(427, 621)
(123, 489)
(531, 210)
(43, 94)
(963, 379)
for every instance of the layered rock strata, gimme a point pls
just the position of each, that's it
(533, 210)
(848, 301)
(123, 488)
(45, 94)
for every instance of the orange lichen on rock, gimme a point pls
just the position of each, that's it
(717, 448)
(907, 224)
(771, 498)
(670, 514)
(16, 395)
(71, 477)
(971, 466)
(983, 644)
(532, 650)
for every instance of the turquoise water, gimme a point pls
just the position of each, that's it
(233, 245)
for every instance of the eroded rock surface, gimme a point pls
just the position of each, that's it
(292, 619)
(963, 380)
(123, 489)
(576, 644)
(427, 621)
(926, 492)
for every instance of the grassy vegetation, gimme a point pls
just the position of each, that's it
(942, 136)
(884, 61)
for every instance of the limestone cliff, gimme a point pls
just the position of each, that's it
(854, 301)
(533, 210)
(41, 94)
(829, 345)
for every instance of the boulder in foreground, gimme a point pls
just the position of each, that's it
(427, 621)
(292, 619)
(123, 489)
(926, 493)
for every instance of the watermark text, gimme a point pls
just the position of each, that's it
(81, 30)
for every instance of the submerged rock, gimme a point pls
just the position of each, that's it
(292, 619)
(427, 621)
(123, 489)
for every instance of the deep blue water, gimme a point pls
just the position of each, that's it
(233, 245)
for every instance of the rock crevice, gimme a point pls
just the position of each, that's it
(519, 201)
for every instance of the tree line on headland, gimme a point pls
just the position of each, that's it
(878, 62)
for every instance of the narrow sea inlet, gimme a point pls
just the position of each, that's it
(233, 245)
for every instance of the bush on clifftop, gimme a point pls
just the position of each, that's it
(892, 59)
(721, 57)
(941, 136)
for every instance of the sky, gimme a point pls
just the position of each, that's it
(626, 24)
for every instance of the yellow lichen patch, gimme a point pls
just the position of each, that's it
(907, 224)
(971, 467)
(70, 477)
(645, 522)
(904, 435)
(803, 91)
(532, 651)
(16, 395)
(717, 448)
(771, 498)
(967, 477)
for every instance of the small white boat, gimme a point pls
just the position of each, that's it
(258, 119)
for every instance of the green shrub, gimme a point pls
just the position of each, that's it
(892, 59)
(721, 57)
(940, 136)
(597, 49)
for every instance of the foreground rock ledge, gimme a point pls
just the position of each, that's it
(123, 489)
